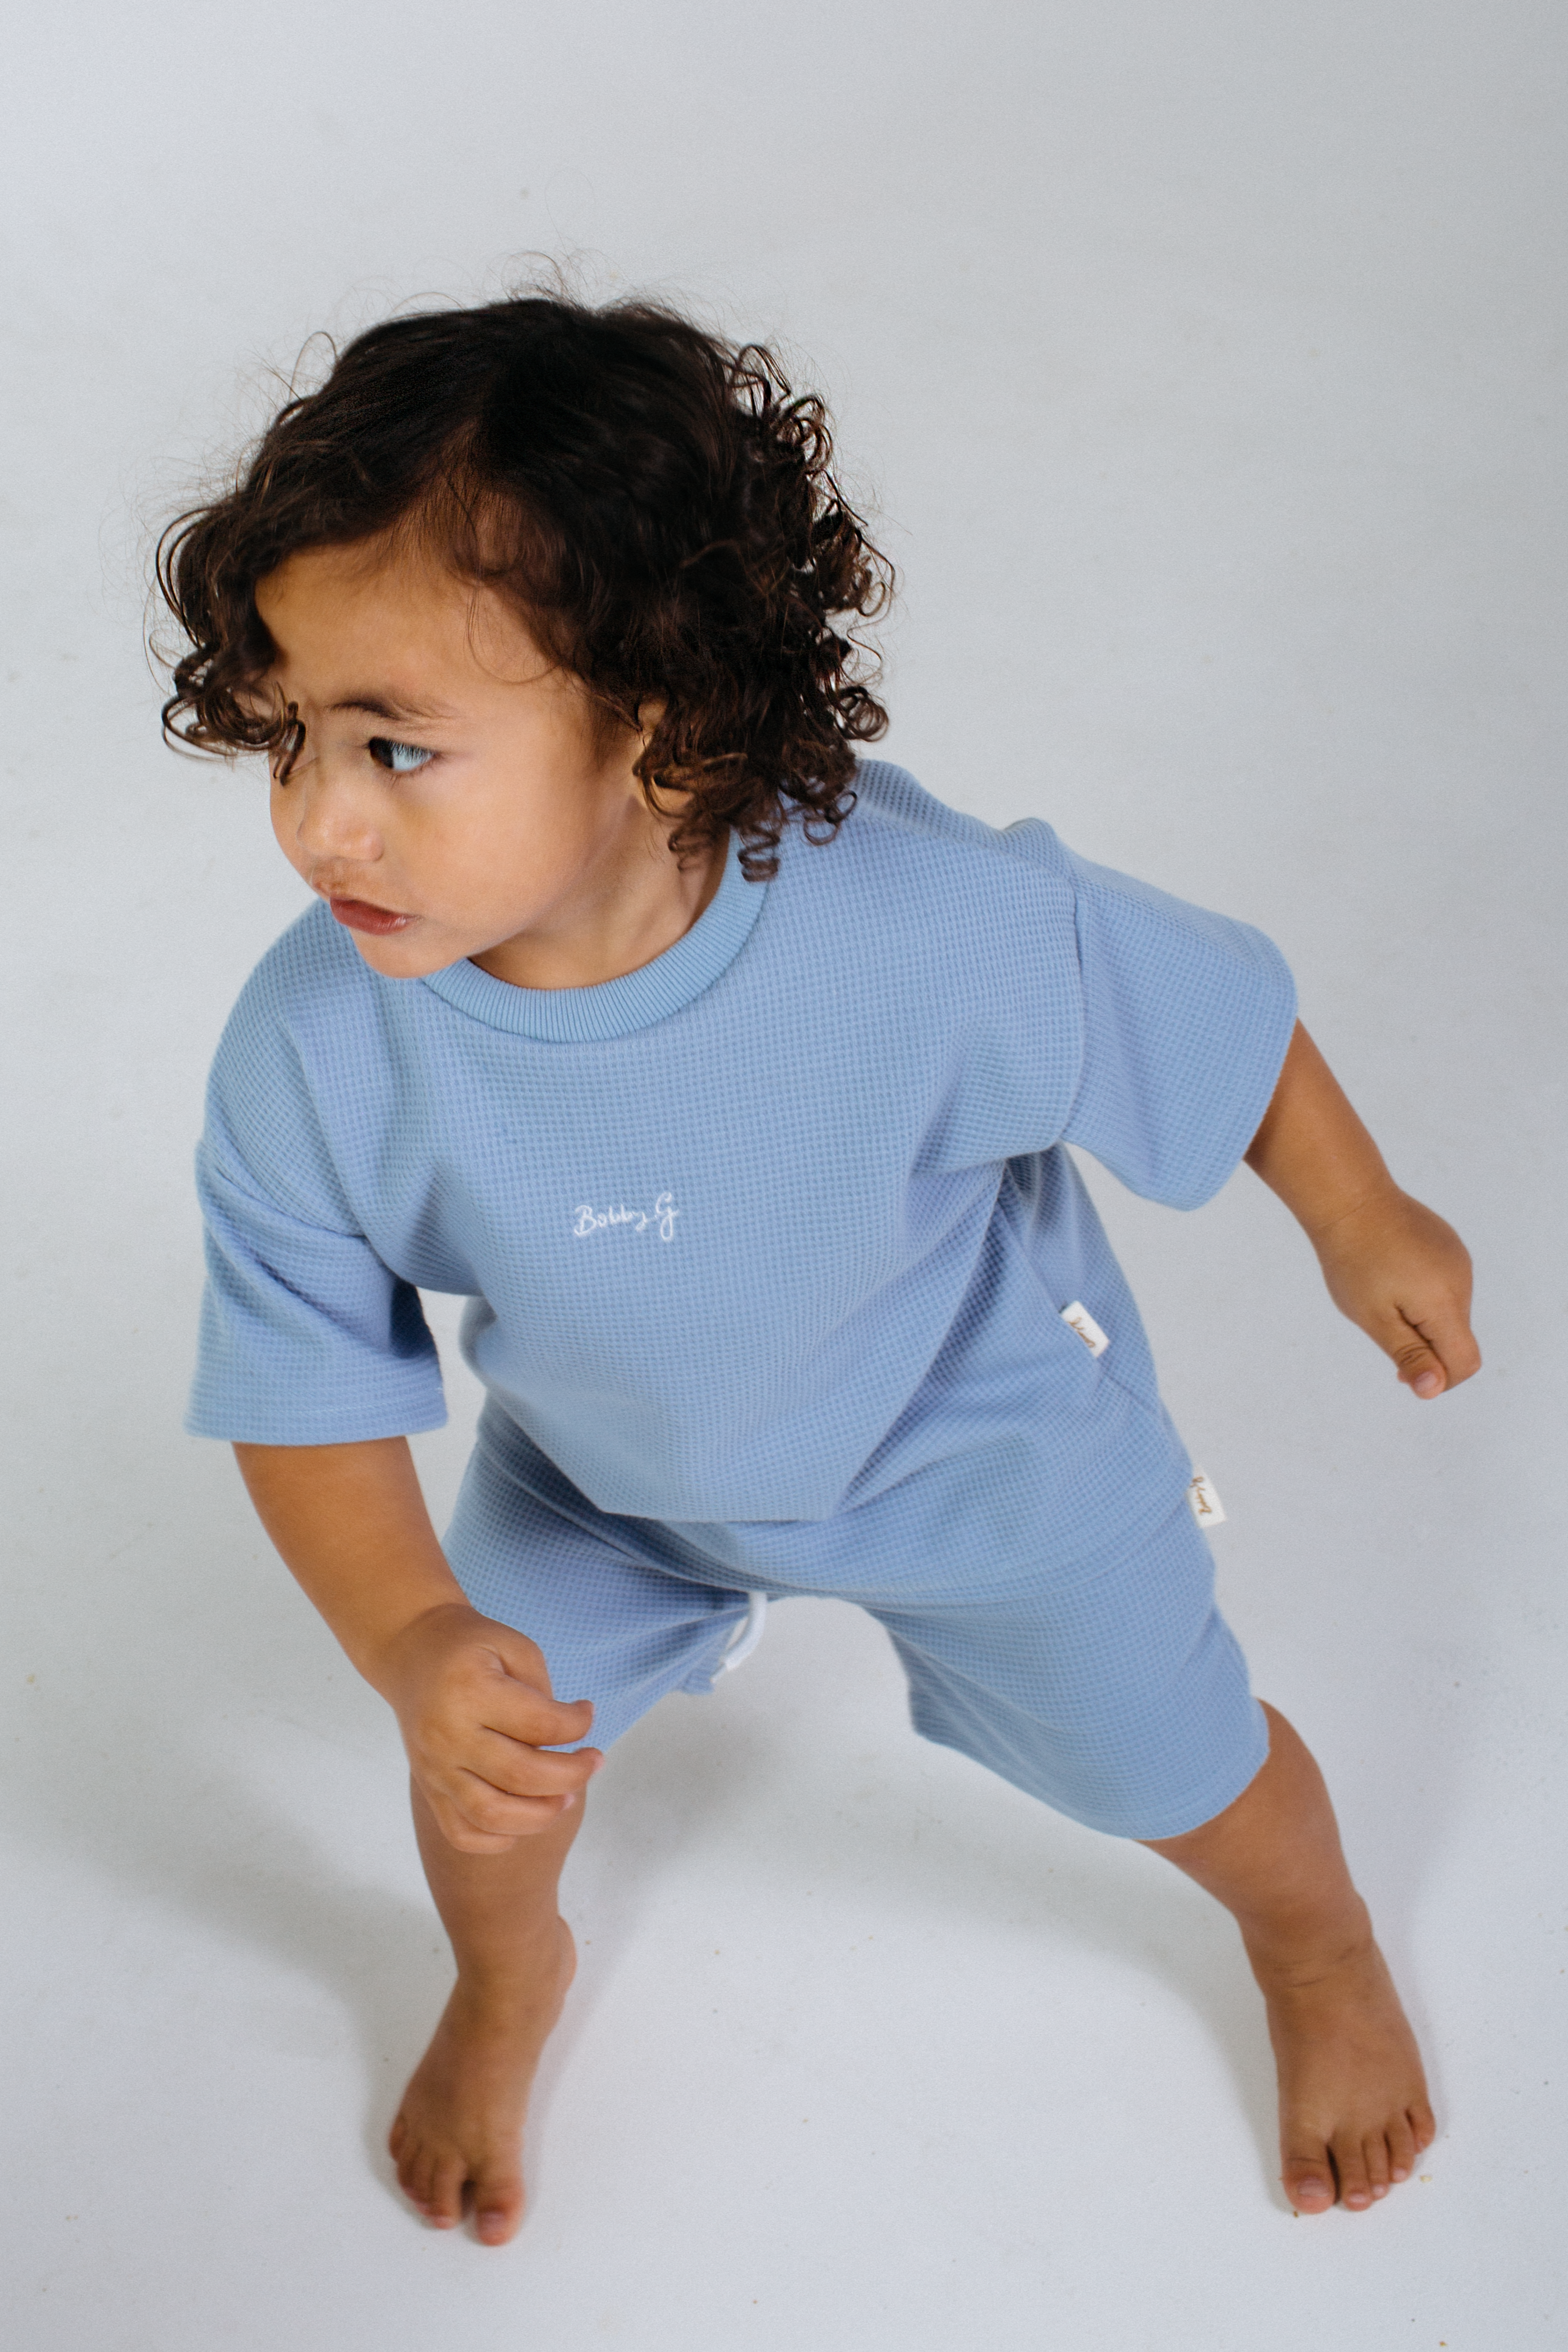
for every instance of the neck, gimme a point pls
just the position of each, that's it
(627, 907)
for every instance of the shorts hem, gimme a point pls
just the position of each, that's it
(1169, 1822)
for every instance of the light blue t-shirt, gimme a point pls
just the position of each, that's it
(774, 1229)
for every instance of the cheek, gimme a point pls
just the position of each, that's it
(481, 843)
(280, 811)
(286, 810)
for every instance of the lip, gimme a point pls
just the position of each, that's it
(360, 914)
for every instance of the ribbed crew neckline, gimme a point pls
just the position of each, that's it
(636, 1000)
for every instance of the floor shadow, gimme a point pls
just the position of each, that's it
(1031, 1873)
(945, 1835)
(179, 1828)
(205, 1841)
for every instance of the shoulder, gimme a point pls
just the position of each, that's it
(916, 912)
(1155, 929)
(306, 1073)
(944, 892)
(307, 1008)
(312, 969)
(931, 860)
(1027, 861)
(312, 1003)
(890, 805)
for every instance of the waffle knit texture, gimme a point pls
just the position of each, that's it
(1114, 1689)
(770, 1239)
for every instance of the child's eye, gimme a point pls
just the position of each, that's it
(399, 759)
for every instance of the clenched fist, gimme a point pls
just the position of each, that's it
(479, 1719)
(1393, 1266)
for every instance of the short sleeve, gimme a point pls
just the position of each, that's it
(307, 1337)
(1186, 1019)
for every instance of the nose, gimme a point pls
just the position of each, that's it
(331, 815)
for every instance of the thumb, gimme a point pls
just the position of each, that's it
(574, 1718)
(1420, 1368)
(1436, 1353)
(523, 1661)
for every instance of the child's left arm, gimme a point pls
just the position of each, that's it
(1391, 1264)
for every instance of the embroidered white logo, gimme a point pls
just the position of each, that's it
(661, 1217)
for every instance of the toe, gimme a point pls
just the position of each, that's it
(1309, 2177)
(1350, 2163)
(1379, 2169)
(445, 2203)
(429, 2186)
(1401, 2149)
(498, 2208)
(413, 2169)
(1424, 2123)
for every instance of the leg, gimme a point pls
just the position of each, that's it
(614, 1629)
(1118, 1694)
(460, 2123)
(1353, 2113)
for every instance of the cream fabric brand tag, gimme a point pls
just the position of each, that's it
(1078, 1319)
(1207, 1508)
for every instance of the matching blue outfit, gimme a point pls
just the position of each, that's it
(766, 1247)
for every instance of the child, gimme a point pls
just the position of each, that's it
(728, 1079)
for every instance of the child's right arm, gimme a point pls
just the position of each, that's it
(472, 1698)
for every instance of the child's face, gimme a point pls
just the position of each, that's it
(454, 790)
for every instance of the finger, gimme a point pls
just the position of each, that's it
(509, 1707)
(501, 1813)
(1451, 1339)
(521, 1769)
(478, 1819)
(460, 1832)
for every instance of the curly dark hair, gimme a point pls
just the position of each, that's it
(657, 504)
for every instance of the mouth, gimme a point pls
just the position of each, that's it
(360, 914)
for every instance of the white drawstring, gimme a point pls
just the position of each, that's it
(747, 1633)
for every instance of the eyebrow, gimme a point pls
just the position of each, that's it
(378, 706)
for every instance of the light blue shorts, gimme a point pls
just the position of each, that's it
(1113, 1689)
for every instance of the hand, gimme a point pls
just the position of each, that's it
(1396, 1268)
(473, 1701)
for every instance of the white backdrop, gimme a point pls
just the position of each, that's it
(1202, 366)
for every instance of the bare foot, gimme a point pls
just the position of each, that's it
(459, 2128)
(1353, 2113)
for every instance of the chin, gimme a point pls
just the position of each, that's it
(398, 956)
